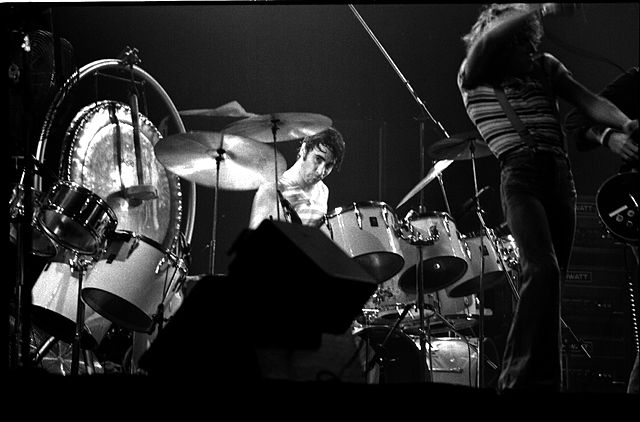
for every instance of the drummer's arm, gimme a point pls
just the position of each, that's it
(264, 205)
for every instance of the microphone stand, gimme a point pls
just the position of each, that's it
(417, 99)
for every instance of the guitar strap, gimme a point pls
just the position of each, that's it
(524, 133)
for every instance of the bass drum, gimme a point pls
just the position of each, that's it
(99, 153)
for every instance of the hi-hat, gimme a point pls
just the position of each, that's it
(245, 164)
(289, 126)
(459, 147)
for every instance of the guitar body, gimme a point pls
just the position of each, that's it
(617, 202)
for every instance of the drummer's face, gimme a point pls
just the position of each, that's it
(317, 164)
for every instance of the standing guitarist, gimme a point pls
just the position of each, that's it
(623, 92)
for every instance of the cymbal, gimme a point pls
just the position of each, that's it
(230, 109)
(245, 164)
(435, 171)
(290, 126)
(459, 147)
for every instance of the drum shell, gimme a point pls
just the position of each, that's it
(129, 291)
(444, 261)
(492, 275)
(55, 305)
(367, 232)
(76, 217)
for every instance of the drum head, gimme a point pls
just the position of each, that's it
(99, 154)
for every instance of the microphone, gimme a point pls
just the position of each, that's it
(468, 204)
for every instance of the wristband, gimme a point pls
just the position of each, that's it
(604, 138)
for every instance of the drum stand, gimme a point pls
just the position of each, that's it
(78, 265)
(219, 157)
(274, 130)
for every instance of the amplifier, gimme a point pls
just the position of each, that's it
(601, 276)
(590, 231)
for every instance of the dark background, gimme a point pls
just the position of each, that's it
(320, 59)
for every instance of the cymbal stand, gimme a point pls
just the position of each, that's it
(424, 335)
(274, 130)
(480, 213)
(219, 157)
(79, 265)
(415, 238)
(381, 346)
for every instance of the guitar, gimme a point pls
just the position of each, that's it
(617, 202)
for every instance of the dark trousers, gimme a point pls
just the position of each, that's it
(538, 198)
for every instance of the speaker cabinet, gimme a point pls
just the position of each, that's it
(302, 283)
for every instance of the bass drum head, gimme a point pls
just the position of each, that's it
(98, 153)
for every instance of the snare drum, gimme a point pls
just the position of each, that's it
(55, 304)
(388, 302)
(76, 218)
(480, 246)
(444, 261)
(131, 280)
(366, 231)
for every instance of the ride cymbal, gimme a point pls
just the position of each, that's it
(244, 165)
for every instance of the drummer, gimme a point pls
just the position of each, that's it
(303, 196)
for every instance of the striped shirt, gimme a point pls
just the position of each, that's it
(532, 99)
(310, 206)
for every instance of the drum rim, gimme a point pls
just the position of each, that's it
(418, 216)
(74, 186)
(178, 260)
(339, 210)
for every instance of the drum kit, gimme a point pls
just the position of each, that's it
(110, 225)
(437, 289)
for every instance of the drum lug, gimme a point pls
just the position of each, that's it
(385, 216)
(326, 221)
(356, 211)
(434, 234)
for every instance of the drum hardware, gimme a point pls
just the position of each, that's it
(381, 355)
(79, 265)
(142, 191)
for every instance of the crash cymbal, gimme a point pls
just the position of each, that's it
(245, 163)
(290, 126)
(459, 147)
(435, 171)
